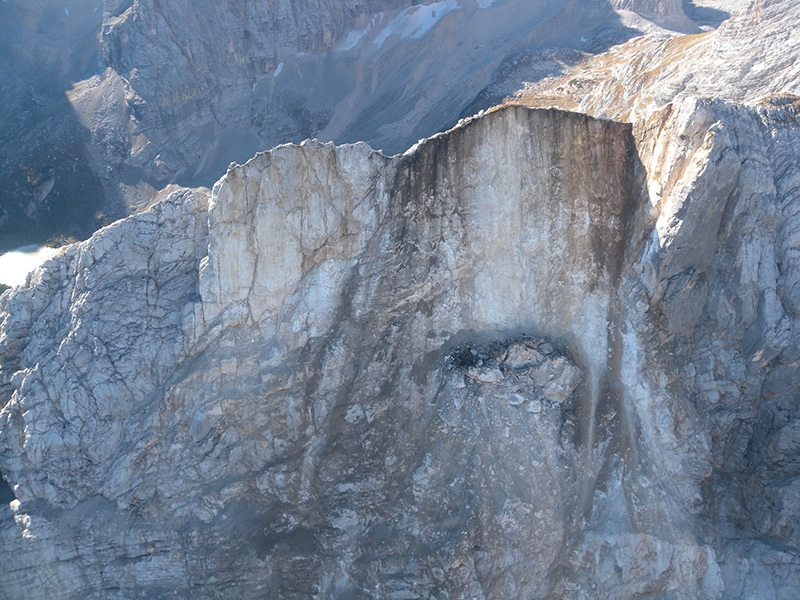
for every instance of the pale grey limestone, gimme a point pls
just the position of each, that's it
(538, 356)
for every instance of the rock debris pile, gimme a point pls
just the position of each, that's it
(528, 370)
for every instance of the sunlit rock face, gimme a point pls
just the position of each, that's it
(541, 355)
(747, 58)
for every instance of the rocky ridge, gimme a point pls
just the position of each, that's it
(204, 92)
(749, 58)
(111, 101)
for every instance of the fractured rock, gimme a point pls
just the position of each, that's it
(521, 355)
(273, 375)
(555, 378)
(485, 374)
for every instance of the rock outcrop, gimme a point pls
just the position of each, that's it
(751, 56)
(541, 355)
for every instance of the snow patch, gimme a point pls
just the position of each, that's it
(414, 21)
(16, 264)
(278, 69)
(353, 38)
(485, 3)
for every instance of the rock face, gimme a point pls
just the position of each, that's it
(749, 57)
(540, 355)
(242, 76)
(666, 13)
(723, 278)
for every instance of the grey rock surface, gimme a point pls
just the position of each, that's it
(219, 82)
(540, 355)
(109, 102)
(749, 58)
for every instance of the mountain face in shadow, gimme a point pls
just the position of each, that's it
(49, 179)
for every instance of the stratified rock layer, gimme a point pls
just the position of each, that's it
(540, 355)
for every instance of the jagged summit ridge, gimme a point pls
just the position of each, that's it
(111, 102)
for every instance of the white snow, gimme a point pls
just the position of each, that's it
(485, 3)
(414, 21)
(353, 38)
(16, 264)
(278, 69)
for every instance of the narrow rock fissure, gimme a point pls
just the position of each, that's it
(6, 493)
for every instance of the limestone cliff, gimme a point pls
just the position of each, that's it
(540, 355)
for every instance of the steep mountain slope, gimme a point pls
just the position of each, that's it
(110, 102)
(751, 56)
(48, 180)
(541, 355)
(243, 77)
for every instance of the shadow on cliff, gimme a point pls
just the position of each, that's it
(389, 95)
(49, 188)
(554, 42)
(705, 16)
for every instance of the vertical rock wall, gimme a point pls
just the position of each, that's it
(540, 355)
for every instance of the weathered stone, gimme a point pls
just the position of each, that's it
(520, 356)
(485, 375)
(555, 378)
(247, 76)
(217, 407)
